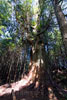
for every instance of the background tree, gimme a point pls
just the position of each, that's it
(61, 21)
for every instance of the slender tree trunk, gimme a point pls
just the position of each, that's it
(62, 22)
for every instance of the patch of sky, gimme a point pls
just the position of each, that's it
(35, 2)
(7, 34)
(46, 12)
(46, 48)
(51, 42)
(64, 6)
(13, 24)
(13, 17)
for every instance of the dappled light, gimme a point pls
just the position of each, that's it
(51, 94)
(16, 86)
(33, 50)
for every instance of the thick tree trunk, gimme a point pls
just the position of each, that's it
(61, 21)
(38, 62)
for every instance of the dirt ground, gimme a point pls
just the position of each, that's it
(23, 90)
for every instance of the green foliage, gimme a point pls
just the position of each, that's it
(1, 29)
(5, 11)
(31, 20)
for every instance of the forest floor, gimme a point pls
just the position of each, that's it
(23, 90)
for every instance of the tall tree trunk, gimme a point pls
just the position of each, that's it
(39, 63)
(62, 22)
